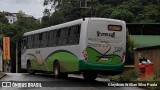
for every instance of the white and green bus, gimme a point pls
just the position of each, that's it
(90, 46)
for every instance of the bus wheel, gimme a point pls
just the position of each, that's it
(57, 73)
(89, 76)
(29, 68)
(56, 69)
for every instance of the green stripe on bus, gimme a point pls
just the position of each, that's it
(68, 61)
(83, 65)
(35, 65)
(94, 57)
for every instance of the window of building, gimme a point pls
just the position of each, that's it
(10, 21)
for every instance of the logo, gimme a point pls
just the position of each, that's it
(6, 84)
(21, 84)
(106, 34)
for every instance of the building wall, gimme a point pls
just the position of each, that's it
(11, 19)
(6, 67)
(153, 54)
(1, 61)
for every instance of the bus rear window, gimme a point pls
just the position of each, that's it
(115, 27)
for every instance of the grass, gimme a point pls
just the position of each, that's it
(133, 76)
(129, 75)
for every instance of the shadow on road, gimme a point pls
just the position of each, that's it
(68, 82)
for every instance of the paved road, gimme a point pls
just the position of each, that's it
(71, 83)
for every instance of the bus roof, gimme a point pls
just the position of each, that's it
(79, 21)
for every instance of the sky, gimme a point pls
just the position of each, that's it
(30, 7)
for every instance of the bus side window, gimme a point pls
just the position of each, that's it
(35, 41)
(74, 35)
(24, 42)
(39, 39)
(29, 42)
(52, 38)
(62, 36)
(44, 39)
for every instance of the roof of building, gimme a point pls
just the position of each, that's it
(144, 41)
(144, 29)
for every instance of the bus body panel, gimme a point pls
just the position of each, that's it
(72, 57)
(68, 56)
(105, 49)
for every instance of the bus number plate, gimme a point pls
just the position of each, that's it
(104, 59)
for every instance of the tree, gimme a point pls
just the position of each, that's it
(131, 11)
(150, 13)
(24, 24)
(20, 14)
(46, 12)
(45, 21)
(55, 4)
(122, 12)
(104, 11)
(28, 22)
(3, 19)
(56, 18)
(129, 49)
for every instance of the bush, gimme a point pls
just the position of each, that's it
(114, 78)
(129, 75)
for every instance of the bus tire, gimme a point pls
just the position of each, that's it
(57, 72)
(29, 68)
(90, 76)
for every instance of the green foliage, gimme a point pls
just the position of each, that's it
(67, 10)
(129, 75)
(114, 78)
(24, 24)
(46, 12)
(122, 14)
(104, 11)
(150, 12)
(129, 50)
(3, 19)
(28, 22)
(56, 18)
(131, 11)
(45, 21)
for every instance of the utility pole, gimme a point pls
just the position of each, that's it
(1, 60)
(1, 52)
(91, 8)
(16, 56)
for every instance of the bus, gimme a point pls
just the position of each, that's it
(90, 46)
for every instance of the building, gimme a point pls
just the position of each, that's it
(4, 65)
(147, 43)
(12, 18)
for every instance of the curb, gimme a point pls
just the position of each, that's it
(4, 74)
